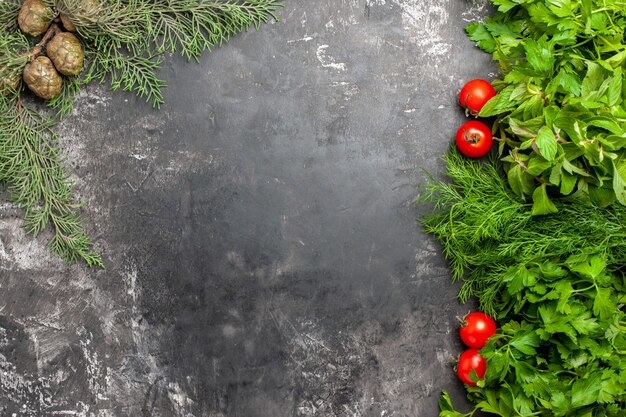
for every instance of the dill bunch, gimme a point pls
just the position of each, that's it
(485, 230)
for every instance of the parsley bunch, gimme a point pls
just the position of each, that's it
(555, 283)
(560, 114)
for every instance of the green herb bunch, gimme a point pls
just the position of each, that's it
(124, 42)
(485, 230)
(560, 114)
(555, 283)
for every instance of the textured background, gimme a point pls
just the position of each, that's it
(262, 253)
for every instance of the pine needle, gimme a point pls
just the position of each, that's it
(30, 163)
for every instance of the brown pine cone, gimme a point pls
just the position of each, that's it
(67, 23)
(86, 12)
(42, 78)
(66, 53)
(34, 17)
(9, 82)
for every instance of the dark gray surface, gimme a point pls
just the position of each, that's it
(262, 255)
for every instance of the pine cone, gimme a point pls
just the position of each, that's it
(66, 53)
(42, 78)
(86, 12)
(67, 23)
(34, 17)
(9, 82)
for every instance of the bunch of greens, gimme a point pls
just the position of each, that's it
(560, 110)
(124, 42)
(554, 282)
(486, 231)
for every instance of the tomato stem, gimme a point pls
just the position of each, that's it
(471, 137)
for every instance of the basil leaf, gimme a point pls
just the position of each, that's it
(541, 202)
(619, 186)
(546, 141)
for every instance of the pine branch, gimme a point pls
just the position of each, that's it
(124, 42)
(30, 164)
(8, 15)
(126, 71)
(194, 27)
(64, 102)
(189, 27)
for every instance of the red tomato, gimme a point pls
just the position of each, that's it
(468, 361)
(474, 139)
(474, 95)
(476, 329)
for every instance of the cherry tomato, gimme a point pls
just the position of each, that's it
(474, 95)
(476, 329)
(474, 139)
(468, 361)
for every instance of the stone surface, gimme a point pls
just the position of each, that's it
(262, 252)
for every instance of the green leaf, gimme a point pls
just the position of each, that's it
(611, 387)
(614, 93)
(497, 402)
(497, 367)
(559, 402)
(520, 182)
(517, 277)
(604, 304)
(593, 80)
(616, 59)
(573, 169)
(586, 7)
(524, 372)
(585, 324)
(551, 271)
(526, 128)
(446, 409)
(526, 342)
(504, 5)
(614, 142)
(606, 122)
(536, 165)
(561, 8)
(539, 55)
(585, 391)
(619, 186)
(564, 289)
(570, 83)
(601, 197)
(546, 141)
(541, 202)
(592, 267)
(570, 123)
(568, 182)
(479, 34)
(500, 103)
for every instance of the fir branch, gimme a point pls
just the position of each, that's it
(9, 10)
(189, 27)
(30, 164)
(126, 71)
(14, 51)
(64, 102)
(124, 42)
(194, 27)
(123, 21)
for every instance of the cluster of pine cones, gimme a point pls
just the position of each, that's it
(58, 53)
